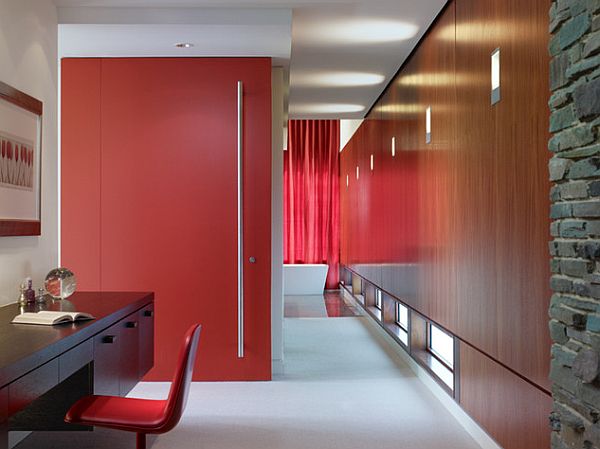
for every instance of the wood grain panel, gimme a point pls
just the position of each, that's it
(502, 192)
(107, 370)
(437, 90)
(475, 243)
(368, 194)
(146, 355)
(459, 227)
(32, 385)
(400, 217)
(514, 412)
(521, 161)
(75, 359)
(129, 361)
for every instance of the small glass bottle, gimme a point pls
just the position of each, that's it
(22, 297)
(30, 292)
(41, 297)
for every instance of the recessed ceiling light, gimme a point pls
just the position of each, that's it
(333, 79)
(366, 31)
(184, 45)
(326, 108)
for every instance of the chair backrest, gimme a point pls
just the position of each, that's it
(178, 394)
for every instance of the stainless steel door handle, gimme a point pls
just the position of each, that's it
(240, 216)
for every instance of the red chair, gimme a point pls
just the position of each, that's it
(142, 416)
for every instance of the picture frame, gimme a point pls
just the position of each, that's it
(20, 163)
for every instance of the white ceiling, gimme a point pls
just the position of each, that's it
(330, 47)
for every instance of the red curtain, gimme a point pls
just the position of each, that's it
(311, 221)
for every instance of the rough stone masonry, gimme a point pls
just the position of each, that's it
(575, 212)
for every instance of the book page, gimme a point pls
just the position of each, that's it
(81, 316)
(51, 317)
(46, 317)
(33, 318)
(50, 313)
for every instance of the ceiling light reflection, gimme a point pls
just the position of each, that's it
(325, 108)
(332, 79)
(428, 79)
(365, 31)
(409, 109)
(399, 108)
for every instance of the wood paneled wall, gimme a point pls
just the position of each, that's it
(458, 228)
(509, 408)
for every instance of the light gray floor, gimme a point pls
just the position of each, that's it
(305, 306)
(342, 389)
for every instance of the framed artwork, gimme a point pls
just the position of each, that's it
(20, 162)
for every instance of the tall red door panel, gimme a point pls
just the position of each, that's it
(168, 203)
(80, 170)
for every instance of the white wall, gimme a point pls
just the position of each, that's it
(28, 62)
(277, 81)
(347, 129)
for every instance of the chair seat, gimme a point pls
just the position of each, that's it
(137, 415)
(142, 416)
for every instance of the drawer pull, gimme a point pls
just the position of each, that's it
(131, 324)
(109, 339)
(149, 313)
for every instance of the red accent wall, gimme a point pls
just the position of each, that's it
(149, 187)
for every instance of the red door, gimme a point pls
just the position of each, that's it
(160, 157)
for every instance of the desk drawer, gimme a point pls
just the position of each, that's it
(107, 355)
(146, 317)
(75, 359)
(31, 386)
(130, 348)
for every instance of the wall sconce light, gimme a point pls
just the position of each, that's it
(371, 162)
(393, 147)
(357, 172)
(428, 125)
(496, 76)
(347, 180)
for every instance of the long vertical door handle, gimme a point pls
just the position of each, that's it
(240, 217)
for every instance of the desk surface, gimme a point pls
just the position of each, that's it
(24, 347)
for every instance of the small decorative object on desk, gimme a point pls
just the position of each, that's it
(30, 292)
(23, 296)
(41, 297)
(60, 283)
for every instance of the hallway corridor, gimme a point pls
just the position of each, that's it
(343, 388)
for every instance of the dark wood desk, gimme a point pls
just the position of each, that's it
(44, 369)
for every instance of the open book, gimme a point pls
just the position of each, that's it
(48, 318)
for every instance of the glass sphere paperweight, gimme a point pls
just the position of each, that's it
(60, 283)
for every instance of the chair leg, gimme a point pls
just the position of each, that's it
(140, 441)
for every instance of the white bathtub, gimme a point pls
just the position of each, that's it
(306, 279)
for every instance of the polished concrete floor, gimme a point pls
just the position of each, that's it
(328, 305)
(342, 388)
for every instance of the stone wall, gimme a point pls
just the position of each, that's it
(575, 212)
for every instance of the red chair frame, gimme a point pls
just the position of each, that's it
(142, 416)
